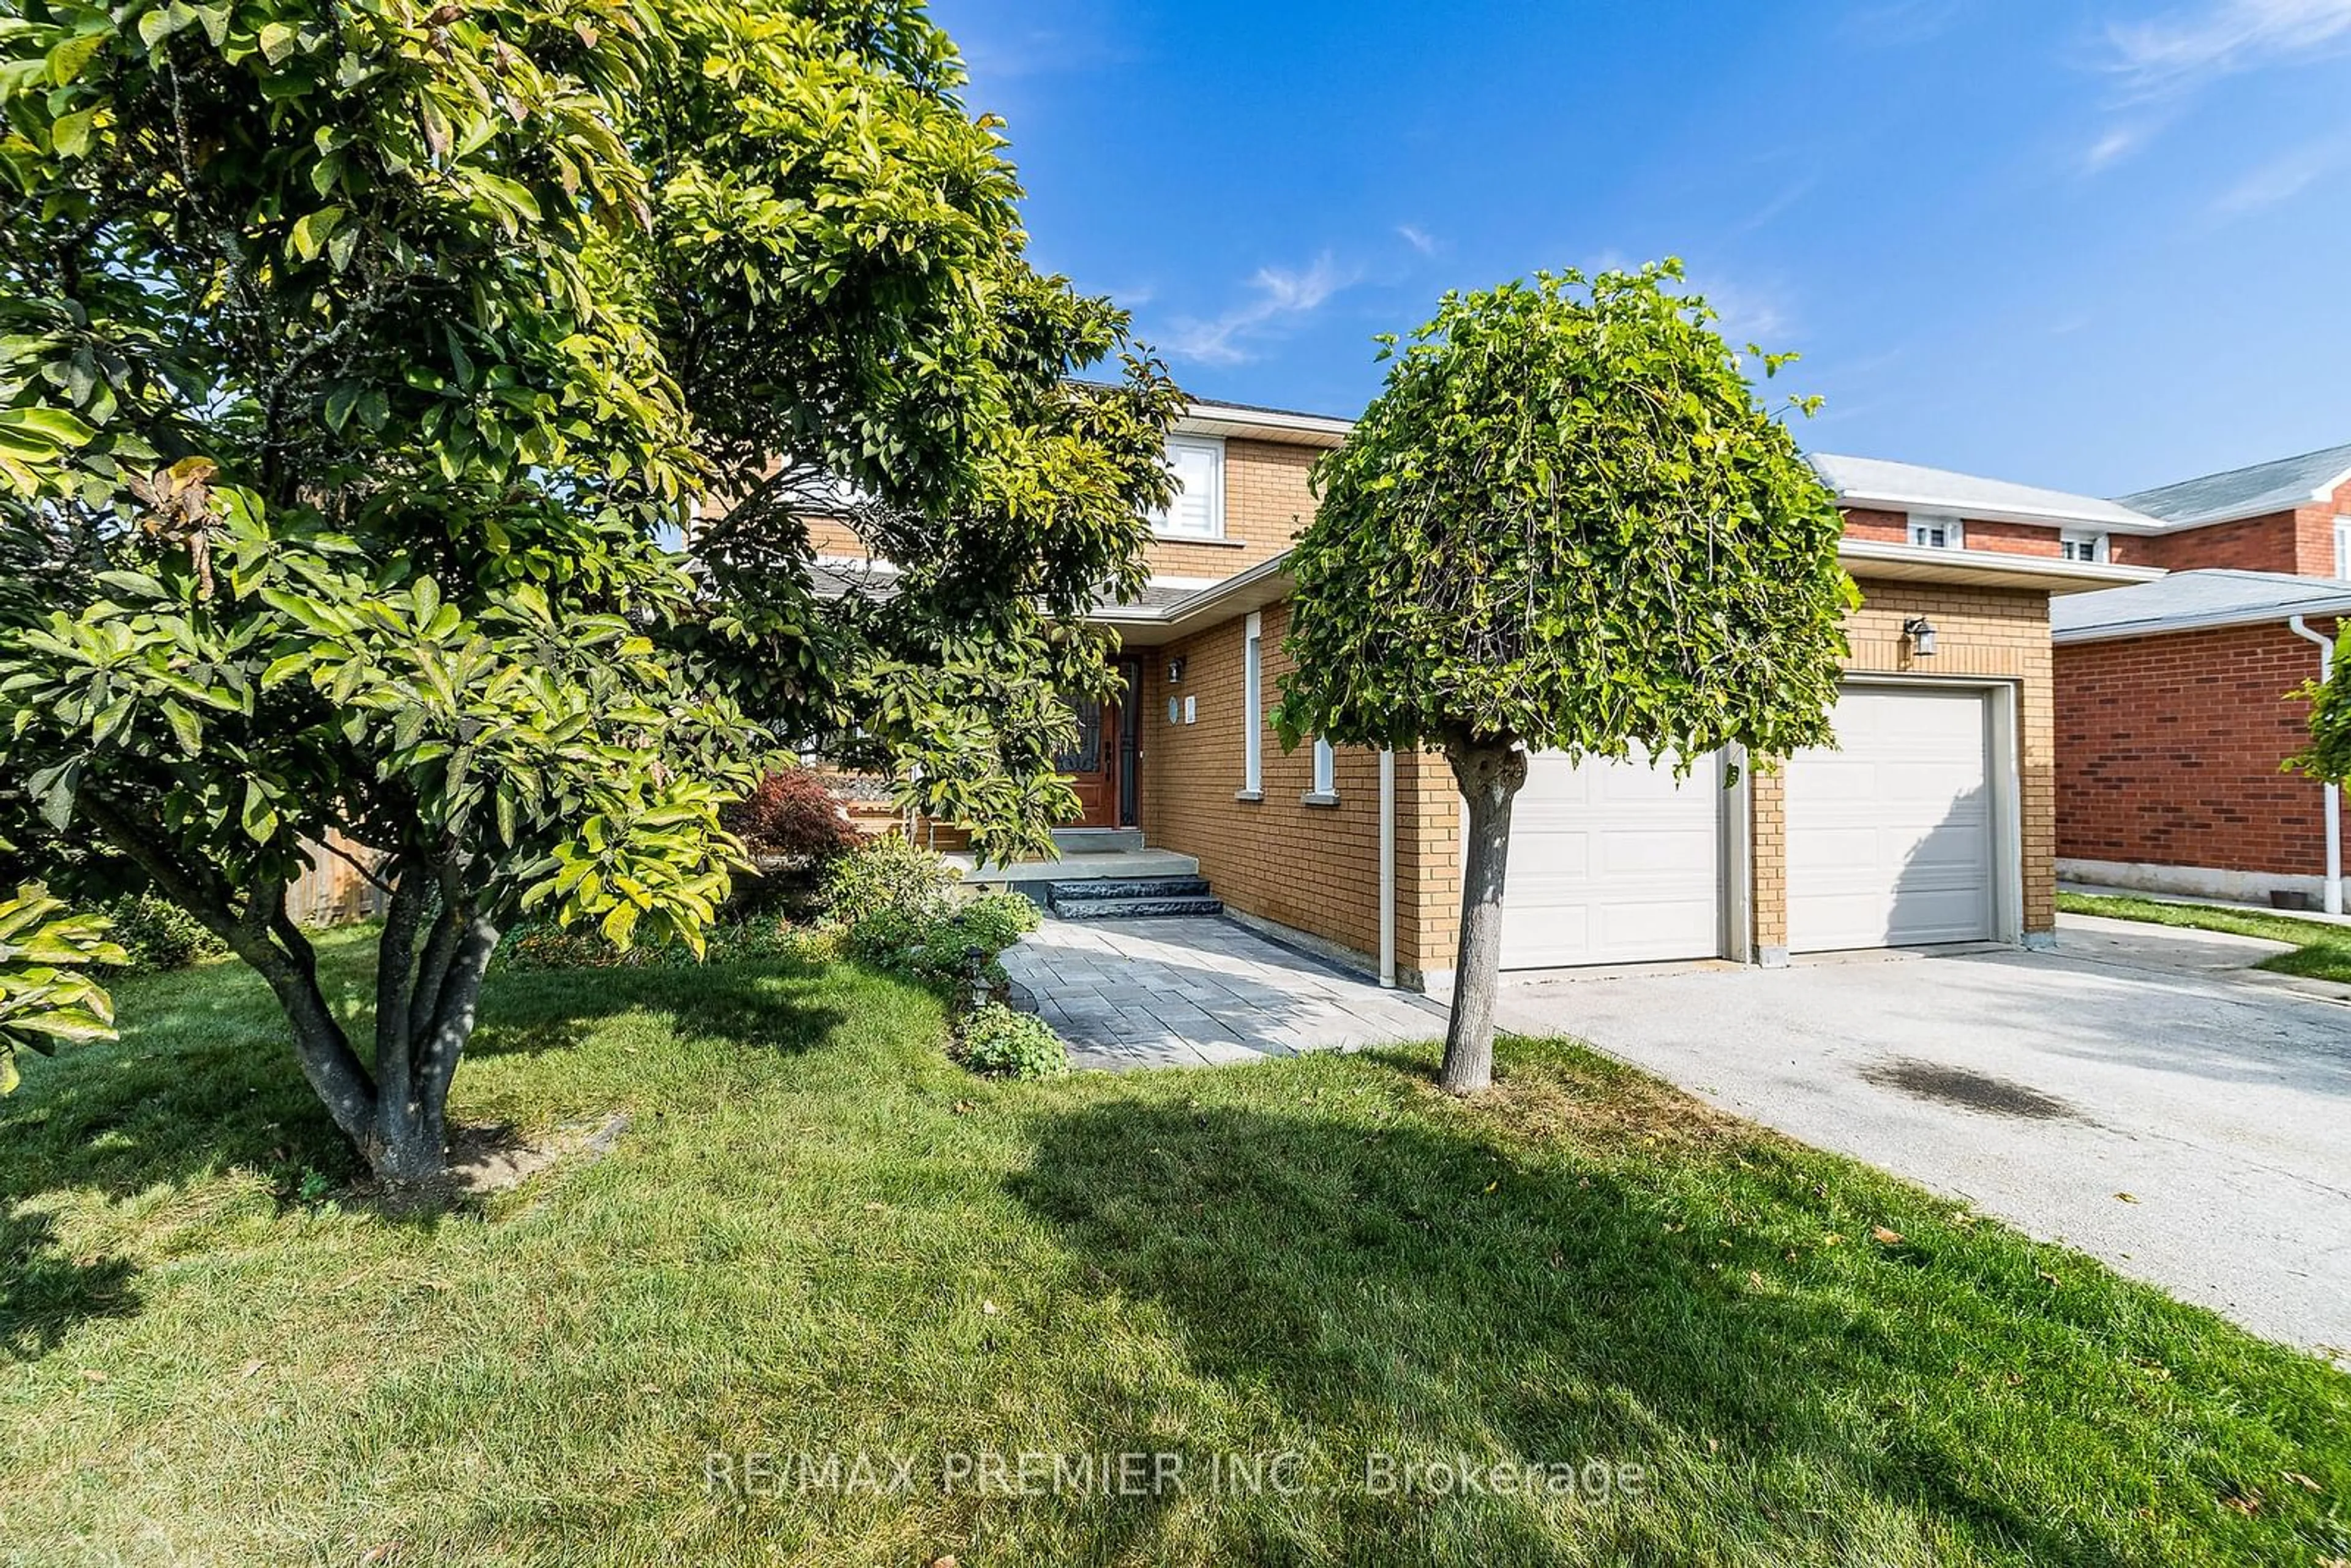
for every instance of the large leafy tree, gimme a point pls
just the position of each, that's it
(1564, 523)
(365, 366)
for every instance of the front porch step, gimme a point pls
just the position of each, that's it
(1094, 888)
(1097, 841)
(1137, 908)
(1130, 898)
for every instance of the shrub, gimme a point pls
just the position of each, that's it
(1005, 1044)
(791, 815)
(158, 933)
(887, 873)
(996, 920)
(937, 948)
(537, 945)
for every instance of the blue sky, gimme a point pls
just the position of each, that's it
(2080, 243)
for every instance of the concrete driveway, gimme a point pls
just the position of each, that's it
(2042, 1088)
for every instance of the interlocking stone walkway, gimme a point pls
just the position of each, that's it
(1181, 991)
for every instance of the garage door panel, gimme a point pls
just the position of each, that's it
(1890, 837)
(1613, 863)
(1550, 858)
(1638, 784)
(1660, 927)
(1692, 853)
(1559, 940)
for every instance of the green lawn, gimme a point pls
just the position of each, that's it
(822, 1238)
(2322, 950)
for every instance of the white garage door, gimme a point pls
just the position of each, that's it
(1612, 862)
(1890, 837)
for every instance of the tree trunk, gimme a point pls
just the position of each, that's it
(1490, 773)
(423, 1021)
(398, 1116)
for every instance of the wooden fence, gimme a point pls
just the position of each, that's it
(334, 892)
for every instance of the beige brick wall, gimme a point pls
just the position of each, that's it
(1267, 501)
(1313, 868)
(1994, 633)
(1767, 824)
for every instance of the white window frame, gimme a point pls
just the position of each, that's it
(1922, 524)
(1252, 709)
(2082, 545)
(2343, 547)
(1325, 791)
(1164, 524)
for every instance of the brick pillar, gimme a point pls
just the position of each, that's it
(1428, 870)
(1767, 832)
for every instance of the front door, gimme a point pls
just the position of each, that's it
(1091, 765)
(1101, 768)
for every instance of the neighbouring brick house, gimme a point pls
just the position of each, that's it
(2174, 698)
(1935, 821)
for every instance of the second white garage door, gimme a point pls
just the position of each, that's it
(1613, 863)
(1890, 837)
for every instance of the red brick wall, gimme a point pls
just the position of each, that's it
(2274, 543)
(2014, 538)
(2003, 538)
(2301, 541)
(1884, 527)
(2167, 751)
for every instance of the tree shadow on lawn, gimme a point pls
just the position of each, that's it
(203, 1079)
(753, 1005)
(1586, 1265)
(44, 1293)
(203, 1082)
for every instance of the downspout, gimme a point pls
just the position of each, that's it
(2333, 790)
(1387, 870)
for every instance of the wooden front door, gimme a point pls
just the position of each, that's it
(1102, 768)
(1091, 765)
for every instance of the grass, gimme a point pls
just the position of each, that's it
(2322, 951)
(819, 1238)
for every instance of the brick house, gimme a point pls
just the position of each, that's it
(1934, 823)
(2174, 705)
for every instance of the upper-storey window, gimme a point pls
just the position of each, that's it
(1197, 511)
(1931, 530)
(2093, 547)
(2343, 547)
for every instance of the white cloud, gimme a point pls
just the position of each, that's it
(1787, 198)
(1748, 314)
(2117, 144)
(2190, 46)
(1420, 239)
(2282, 178)
(1277, 293)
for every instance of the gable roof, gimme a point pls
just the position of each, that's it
(2276, 486)
(1909, 487)
(2194, 601)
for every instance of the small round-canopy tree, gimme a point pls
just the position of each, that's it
(1564, 524)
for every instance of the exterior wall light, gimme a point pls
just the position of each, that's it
(1921, 633)
(1175, 672)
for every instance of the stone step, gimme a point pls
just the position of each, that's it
(1073, 842)
(1137, 908)
(1061, 893)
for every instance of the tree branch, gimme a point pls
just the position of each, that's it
(264, 937)
(352, 861)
